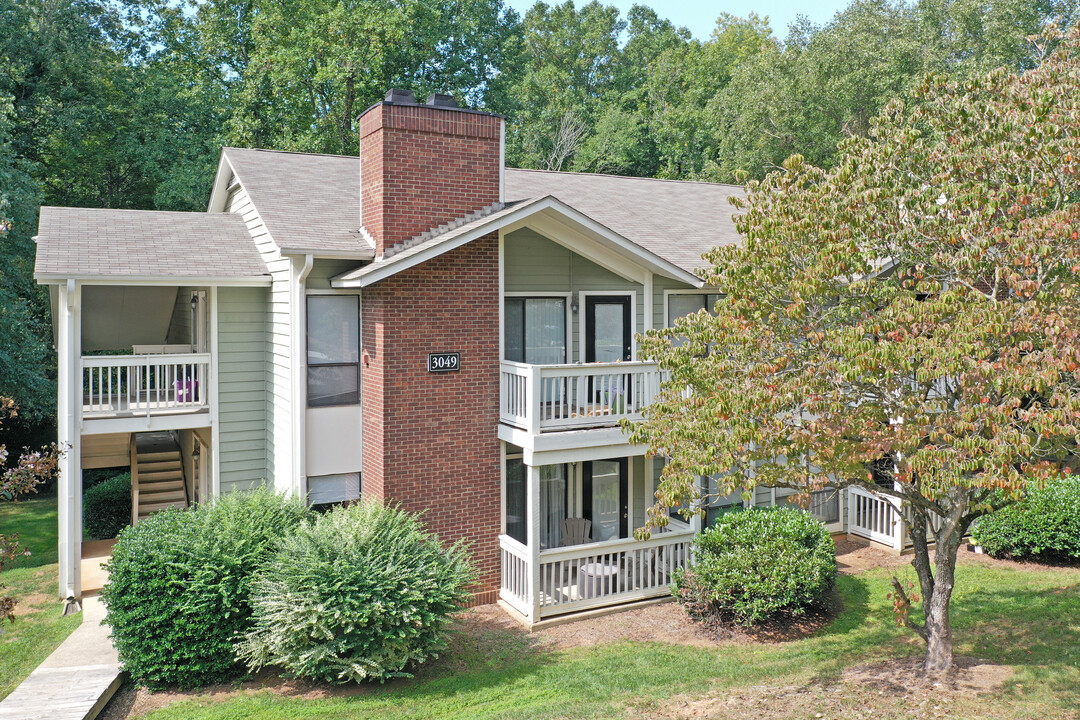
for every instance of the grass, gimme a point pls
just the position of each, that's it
(1029, 619)
(38, 628)
(34, 520)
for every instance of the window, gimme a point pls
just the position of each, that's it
(333, 350)
(515, 500)
(535, 330)
(327, 489)
(683, 304)
(553, 501)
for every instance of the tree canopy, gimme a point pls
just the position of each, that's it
(914, 306)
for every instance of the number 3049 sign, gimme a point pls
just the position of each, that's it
(443, 362)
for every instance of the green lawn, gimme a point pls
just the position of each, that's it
(39, 627)
(35, 521)
(1029, 619)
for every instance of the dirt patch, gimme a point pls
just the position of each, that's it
(663, 622)
(891, 689)
(32, 603)
(854, 557)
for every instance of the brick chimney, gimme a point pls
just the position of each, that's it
(424, 165)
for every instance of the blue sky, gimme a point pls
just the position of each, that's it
(700, 15)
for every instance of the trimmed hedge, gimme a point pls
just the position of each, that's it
(754, 564)
(107, 507)
(359, 593)
(1044, 525)
(179, 586)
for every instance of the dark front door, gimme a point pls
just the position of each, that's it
(605, 491)
(608, 328)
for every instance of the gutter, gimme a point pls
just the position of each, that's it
(299, 388)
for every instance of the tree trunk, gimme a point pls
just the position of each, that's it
(937, 588)
(939, 649)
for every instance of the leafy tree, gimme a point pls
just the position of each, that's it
(915, 306)
(568, 60)
(825, 83)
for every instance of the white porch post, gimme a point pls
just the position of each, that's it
(532, 538)
(69, 412)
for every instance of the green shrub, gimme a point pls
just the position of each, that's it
(179, 586)
(1045, 525)
(751, 565)
(107, 507)
(95, 476)
(359, 593)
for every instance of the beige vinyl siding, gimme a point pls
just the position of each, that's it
(276, 376)
(532, 263)
(242, 396)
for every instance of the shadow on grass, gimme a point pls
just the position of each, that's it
(1033, 629)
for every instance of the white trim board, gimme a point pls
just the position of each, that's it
(609, 248)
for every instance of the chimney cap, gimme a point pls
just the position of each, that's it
(398, 96)
(442, 101)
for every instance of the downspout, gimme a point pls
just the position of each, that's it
(299, 434)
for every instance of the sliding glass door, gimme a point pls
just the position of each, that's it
(535, 330)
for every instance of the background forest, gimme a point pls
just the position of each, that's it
(126, 103)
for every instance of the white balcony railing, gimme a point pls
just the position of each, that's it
(541, 398)
(875, 517)
(140, 385)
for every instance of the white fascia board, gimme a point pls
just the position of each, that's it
(158, 280)
(393, 267)
(220, 190)
(329, 255)
(627, 251)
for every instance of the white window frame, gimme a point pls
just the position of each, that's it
(686, 291)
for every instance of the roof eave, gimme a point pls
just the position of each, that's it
(370, 274)
(159, 280)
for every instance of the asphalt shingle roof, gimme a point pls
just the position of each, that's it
(306, 201)
(91, 242)
(675, 219)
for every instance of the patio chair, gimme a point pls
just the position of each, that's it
(576, 531)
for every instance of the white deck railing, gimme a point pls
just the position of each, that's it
(515, 574)
(541, 398)
(875, 517)
(131, 385)
(592, 575)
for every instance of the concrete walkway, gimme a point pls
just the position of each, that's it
(76, 681)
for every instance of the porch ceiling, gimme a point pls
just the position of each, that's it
(117, 317)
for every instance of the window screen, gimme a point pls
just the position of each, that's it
(323, 489)
(333, 350)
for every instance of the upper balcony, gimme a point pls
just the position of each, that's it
(550, 398)
(145, 385)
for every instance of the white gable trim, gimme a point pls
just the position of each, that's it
(607, 248)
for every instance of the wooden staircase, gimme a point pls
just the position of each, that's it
(157, 475)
